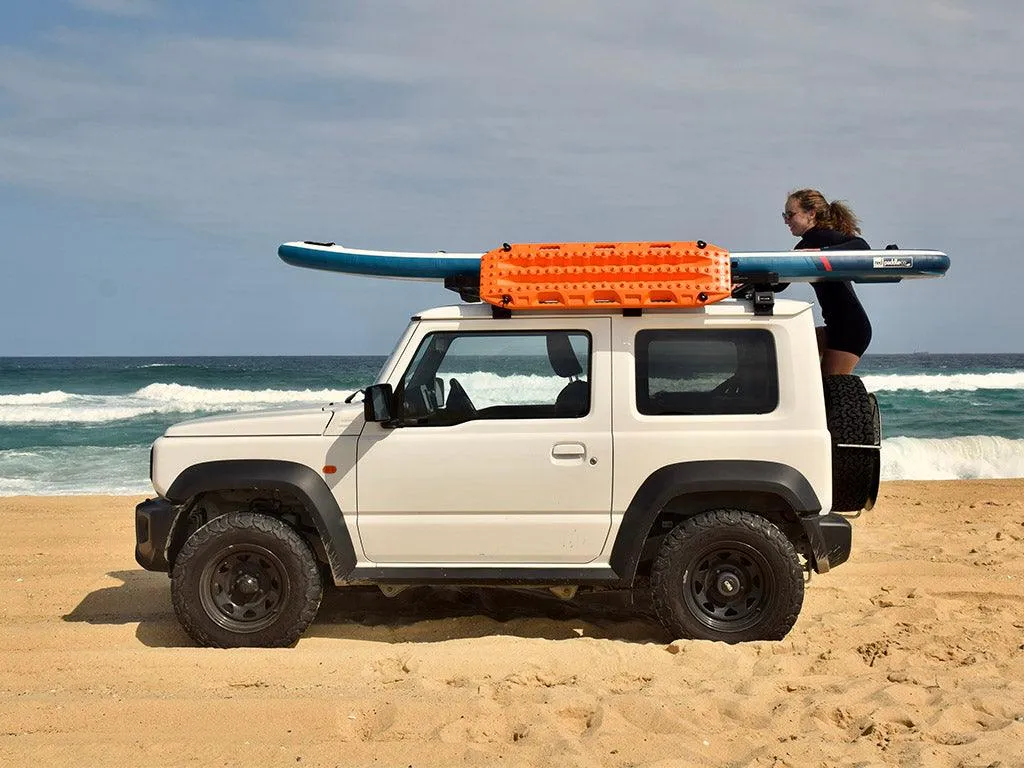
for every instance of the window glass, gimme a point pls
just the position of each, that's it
(456, 377)
(706, 372)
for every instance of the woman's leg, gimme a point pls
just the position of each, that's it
(834, 361)
(841, 347)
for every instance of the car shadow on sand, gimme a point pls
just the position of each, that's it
(418, 614)
(142, 597)
(431, 614)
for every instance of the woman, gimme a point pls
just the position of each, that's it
(822, 225)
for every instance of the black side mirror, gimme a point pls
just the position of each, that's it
(377, 403)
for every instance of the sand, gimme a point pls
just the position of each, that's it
(912, 653)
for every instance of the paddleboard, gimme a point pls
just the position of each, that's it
(876, 266)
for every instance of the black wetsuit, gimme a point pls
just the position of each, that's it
(847, 327)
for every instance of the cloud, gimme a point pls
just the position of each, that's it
(426, 108)
(456, 125)
(126, 8)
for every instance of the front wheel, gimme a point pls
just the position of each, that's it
(246, 579)
(727, 575)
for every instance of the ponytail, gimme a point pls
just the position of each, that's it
(836, 215)
(842, 218)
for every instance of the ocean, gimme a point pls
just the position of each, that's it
(83, 425)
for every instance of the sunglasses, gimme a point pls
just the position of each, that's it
(787, 215)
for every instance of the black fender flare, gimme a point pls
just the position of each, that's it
(321, 508)
(790, 486)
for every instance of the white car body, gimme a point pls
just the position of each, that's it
(523, 493)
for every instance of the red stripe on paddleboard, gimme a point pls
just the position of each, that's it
(828, 267)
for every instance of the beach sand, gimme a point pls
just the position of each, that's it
(910, 654)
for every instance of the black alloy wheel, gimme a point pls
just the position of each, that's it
(729, 586)
(243, 587)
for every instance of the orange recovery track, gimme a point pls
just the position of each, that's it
(603, 275)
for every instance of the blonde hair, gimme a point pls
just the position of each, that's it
(836, 215)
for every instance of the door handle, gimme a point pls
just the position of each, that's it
(568, 451)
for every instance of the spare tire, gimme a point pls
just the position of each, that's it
(855, 424)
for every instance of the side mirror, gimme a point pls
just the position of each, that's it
(377, 401)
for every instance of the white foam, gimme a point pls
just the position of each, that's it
(487, 389)
(36, 398)
(19, 486)
(200, 398)
(952, 458)
(65, 408)
(75, 470)
(966, 382)
(81, 415)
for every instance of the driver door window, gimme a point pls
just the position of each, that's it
(459, 377)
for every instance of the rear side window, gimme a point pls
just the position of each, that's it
(700, 372)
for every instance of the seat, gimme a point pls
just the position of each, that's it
(574, 399)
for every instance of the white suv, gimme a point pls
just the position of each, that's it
(695, 453)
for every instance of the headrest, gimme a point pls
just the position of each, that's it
(563, 359)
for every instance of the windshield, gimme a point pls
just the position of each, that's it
(385, 370)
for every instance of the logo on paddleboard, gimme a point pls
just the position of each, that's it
(893, 262)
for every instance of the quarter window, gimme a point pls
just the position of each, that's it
(691, 372)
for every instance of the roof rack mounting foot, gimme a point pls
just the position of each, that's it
(468, 287)
(764, 299)
(759, 288)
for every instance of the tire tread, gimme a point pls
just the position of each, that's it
(673, 550)
(192, 616)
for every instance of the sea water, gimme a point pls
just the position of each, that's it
(84, 425)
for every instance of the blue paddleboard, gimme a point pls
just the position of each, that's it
(888, 266)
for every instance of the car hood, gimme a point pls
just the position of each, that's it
(304, 421)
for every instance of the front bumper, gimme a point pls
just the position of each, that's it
(154, 519)
(831, 537)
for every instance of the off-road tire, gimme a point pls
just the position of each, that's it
(246, 579)
(853, 420)
(727, 575)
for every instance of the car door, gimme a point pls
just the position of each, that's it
(503, 452)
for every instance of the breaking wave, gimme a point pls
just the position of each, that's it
(966, 382)
(952, 458)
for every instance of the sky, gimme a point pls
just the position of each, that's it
(154, 154)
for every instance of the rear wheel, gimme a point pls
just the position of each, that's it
(727, 575)
(246, 579)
